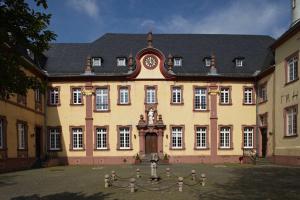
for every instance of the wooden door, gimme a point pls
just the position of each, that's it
(264, 142)
(150, 143)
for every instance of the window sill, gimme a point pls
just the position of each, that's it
(53, 105)
(54, 150)
(102, 149)
(150, 103)
(102, 111)
(263, 102)
(200, 110)
(225, 104)
(290, 136)
(124, 149)
(124, 104)
(73, 104)
(76, 149)
(249, 104)
(288, 83)
(176, 104)
(177, 149)
(201, 149)
(225, 149)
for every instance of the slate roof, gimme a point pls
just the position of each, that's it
(66, 59)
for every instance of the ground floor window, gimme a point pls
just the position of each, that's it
(101, 138)
(248, 137)
(54, 139)
(291, 121)
(201, 137)
(124, 135)
(225, 137)
(77, 138)
(21, 135)
(176, 137)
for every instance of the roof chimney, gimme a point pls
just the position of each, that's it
(213, 69)
(170, 62)
(149, 39)
(295, 11)
(87, 66)
(130, 62)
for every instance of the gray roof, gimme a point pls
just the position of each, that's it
(69, 58)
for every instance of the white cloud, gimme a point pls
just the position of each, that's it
(88, 7)
(240, 17)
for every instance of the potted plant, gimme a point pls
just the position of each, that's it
(165, 159)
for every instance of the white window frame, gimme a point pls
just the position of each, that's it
(150, 95)
(1, 133)
(225, 137)
(176, 95)
(248, 96)
(225, 95)
(96, 62)
(177, 62)
(102, 99)
(21, 136)
(54, 136)
(248, 137)
(54, 96)
(292, 67)
(177, 138)
(121, 62)
(124, 95)
(200, 99)
(201, 136)
(77, 138)
(124, 136)
(207, 62)
(239, 62)
(37, 95)
(77, 96)
(291, 121)
(101, 138)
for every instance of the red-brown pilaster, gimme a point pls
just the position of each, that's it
(213, 120)
(89, 119)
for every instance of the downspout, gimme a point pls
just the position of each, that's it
(257, 118)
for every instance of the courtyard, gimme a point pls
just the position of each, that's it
(229, 181)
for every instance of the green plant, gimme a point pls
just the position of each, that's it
(166, 157)
(137, 157)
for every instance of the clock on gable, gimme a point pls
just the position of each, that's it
(150, 61)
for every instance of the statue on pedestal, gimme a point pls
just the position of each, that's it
(151, 117)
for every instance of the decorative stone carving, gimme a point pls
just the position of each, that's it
(151, 117)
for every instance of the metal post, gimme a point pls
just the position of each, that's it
(132, 185)
(138, 173)
(194, 175)
(180, 184)
(168, 172)
(203, 178)
(106, 181)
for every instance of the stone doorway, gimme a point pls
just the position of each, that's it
(150, 143)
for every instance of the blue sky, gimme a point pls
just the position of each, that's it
(87, 20)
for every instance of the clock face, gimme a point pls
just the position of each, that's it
(150, 62)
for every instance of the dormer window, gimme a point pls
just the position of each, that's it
(207, 62)
(177, 62)
(121, 62)
(239, 61)
(96, 62)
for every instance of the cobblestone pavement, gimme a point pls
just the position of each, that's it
(224, 182)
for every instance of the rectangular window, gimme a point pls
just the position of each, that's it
(176, 95)
(76, 96)
(200, 137)
(101, 138)
(248, 95)
(54, 96)
(1, 133)
(124, 95)
(224, 95)
(291, 121)
(225, 137)
(262, 92)
(207, 62)
(124, 138)
(150, 95)
(200, 99)
(121, 62)
(21, 135)
(177, 62)
(77, 137)
(96, 62)
(292, 69)
(102, 101)
(239, 63)
(176, 138)
(248, 137)
(37, 95)
(54, 139)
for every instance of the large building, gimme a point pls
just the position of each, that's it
(191, 98)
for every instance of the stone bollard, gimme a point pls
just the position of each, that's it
(138, 173)
(106, 181)
(203, 178)
(193, 175)
(113, 175)
(132, 185)
(168, 172)
(180, 184)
